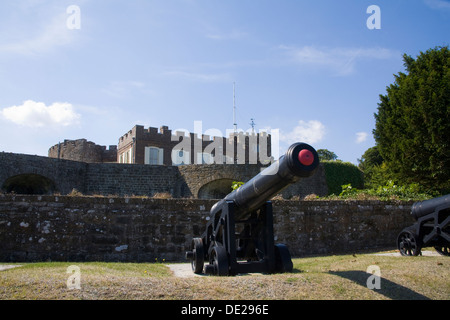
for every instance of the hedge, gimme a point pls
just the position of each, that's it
(339, 173)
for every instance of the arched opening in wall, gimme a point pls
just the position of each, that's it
(29, 184)
(216, 189)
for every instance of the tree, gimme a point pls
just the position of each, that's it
(325, 154)
(371, 163)
(412, 126)
(370, 158)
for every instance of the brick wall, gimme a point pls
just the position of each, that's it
(240, 147)
(63, 228)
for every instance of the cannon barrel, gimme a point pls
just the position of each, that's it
(422, 208)
(300, 161)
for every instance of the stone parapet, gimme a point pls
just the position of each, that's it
(65, 228)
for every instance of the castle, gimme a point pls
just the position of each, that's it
(148, 162)
(148, 146)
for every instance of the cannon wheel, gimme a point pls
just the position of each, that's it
(198, 255)
(443, 250)
(219, 259)
(283, 261)
(408, 244)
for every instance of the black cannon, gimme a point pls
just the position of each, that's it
(431, 229)
(239, 234)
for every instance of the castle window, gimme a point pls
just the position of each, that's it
(126, 157)
(154, 156)
(129, 156)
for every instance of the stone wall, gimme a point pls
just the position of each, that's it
(66, 175)
(84, 151)
(143, 180)
(130, 179)
(64, 228)
(324, 227)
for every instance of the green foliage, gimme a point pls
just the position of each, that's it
(376, 176)
(338, 173)
(389, 191)
(236, 184)
(348, 191)
(370, 158)
(375, 170)
(412, 128)
(325, 154)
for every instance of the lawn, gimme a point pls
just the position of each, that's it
(341, 277)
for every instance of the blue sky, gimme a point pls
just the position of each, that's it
(311, 69)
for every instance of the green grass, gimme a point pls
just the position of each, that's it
(99, 268)
(340, 277)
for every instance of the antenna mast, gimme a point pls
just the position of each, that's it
(234, 109)
(252, 124)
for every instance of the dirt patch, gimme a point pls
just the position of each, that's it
(6, 267)
(397, 254)
(183, 270)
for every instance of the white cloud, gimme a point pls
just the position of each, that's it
(311, 131)
(361, 137)
(340, 61)
(37, 114)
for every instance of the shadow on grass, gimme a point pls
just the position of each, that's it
(388, 288)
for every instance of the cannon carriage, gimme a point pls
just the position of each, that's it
(239, 234)
(432, 228)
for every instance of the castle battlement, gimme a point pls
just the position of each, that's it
(153, 146)
(83, 150)
(160, 146)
